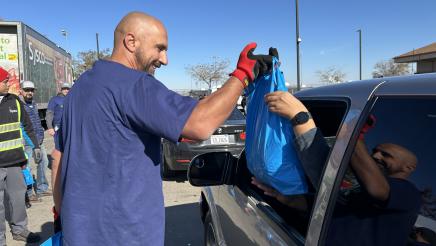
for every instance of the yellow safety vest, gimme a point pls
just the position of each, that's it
(15, 142)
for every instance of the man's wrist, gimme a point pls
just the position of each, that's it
(301, 118)
(241, 76)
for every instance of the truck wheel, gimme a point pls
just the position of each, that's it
(209, 231)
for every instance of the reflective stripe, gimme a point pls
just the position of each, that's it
(15, 126)
(19, 110)
(11, 144)
(10, 127)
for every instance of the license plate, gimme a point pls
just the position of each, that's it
(219, 139)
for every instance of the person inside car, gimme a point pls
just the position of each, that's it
(385, 210)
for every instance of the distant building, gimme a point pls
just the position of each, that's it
(425, 58)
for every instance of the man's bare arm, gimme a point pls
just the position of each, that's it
(369, 173)
(55, 174)
(213, 110)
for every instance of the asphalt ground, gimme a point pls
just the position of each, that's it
(183, 223)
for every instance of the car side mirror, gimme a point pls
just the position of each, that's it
(211, 169)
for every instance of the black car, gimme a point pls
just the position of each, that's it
(235, 212)
(230, 136)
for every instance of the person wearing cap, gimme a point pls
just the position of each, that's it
(55, 108)
(12, 159)
(27, 92)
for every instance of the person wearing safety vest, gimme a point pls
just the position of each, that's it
(12, 159)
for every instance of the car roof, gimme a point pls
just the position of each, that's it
(418, 84)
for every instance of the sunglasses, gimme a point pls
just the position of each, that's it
(29, 90)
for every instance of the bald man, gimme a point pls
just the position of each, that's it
(109, 189)
(384, 212)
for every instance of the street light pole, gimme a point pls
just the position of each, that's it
(298, 40)
(98, 49)
(360, 53)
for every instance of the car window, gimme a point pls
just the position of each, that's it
(236, 115)
(400, 146)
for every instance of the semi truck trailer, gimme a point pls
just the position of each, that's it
(28, 55)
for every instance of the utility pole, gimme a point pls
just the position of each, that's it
(298, 39)
(360, 53)
(98, 48)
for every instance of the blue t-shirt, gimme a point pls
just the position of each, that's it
(56, 106)
(364, 222)
(113, 121)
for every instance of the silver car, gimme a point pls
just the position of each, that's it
(235, 212)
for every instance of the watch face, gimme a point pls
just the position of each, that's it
(301, 118)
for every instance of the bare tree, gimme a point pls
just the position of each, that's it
(331, 75)
(390, 68)
(86, 59)
(211, 73)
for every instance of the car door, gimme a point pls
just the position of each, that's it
(247, 220)
(248, 217)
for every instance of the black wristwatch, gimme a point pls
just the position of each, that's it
(301, 118)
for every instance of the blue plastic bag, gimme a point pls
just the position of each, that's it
(55, 240)
(28, 179)
(269, 146)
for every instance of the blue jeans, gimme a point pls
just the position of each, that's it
(41, 180)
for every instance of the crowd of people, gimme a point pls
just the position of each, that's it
(22, 147)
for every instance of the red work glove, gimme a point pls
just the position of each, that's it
(250, 66)
(370, 123)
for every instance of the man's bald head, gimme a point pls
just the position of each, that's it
(398, 160)
(140, 42)
(135, 22)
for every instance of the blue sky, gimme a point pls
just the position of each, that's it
(199, 30)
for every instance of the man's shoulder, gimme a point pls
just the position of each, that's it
(11, 96)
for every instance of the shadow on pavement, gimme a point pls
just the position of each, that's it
(183, 225)
(45, 233)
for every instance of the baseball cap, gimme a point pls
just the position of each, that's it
(65, 85)
(3, 74)
(27, 85)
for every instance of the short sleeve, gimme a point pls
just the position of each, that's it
(152, 107)
(402, 195)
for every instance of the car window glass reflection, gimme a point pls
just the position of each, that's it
(400, 147)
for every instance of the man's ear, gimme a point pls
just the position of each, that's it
(410, 167)
(129, 42)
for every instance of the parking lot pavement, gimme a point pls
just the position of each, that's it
(183, 224)
(40, 217)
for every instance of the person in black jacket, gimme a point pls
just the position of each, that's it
(12, 158)
(27, 91)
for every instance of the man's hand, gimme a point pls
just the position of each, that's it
(250, 66)
(284, 104)
(297, 201)
(51, 131)
(37, 153)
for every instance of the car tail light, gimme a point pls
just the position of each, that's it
(242, 135)
(183, 161)
(186, 140)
